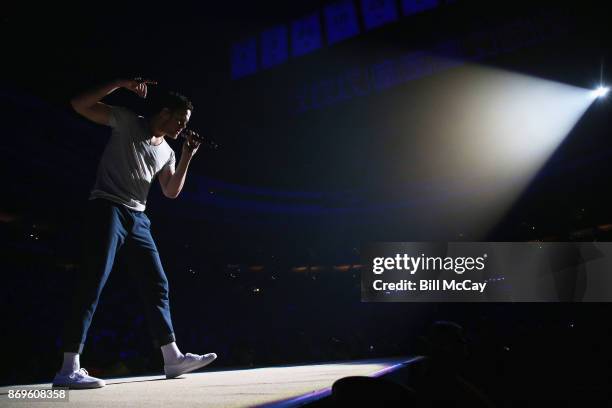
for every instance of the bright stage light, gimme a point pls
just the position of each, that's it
(601, 92)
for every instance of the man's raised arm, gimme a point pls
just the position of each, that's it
(88, 103)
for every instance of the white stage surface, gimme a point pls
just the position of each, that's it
(284, 386)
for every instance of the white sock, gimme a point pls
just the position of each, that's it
(71, 363)
(172, 354)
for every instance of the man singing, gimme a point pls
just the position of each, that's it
(136, 153)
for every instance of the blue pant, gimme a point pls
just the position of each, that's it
(109, 227)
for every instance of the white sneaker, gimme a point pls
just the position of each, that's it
(189, 363)
(77, 380)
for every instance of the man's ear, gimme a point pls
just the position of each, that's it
(165, 113)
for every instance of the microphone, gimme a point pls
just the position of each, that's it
(203, 142)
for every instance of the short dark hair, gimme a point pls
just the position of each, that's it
(173, 101)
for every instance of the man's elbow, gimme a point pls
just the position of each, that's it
(75, 104)
(171, 195)
(78, 107)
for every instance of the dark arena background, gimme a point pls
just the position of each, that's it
(338, 124)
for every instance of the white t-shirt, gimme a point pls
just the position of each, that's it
(129, 163)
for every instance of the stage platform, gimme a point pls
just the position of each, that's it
(279, 386)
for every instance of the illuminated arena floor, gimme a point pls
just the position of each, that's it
(284, 386)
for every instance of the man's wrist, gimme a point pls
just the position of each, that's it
(187, 155)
